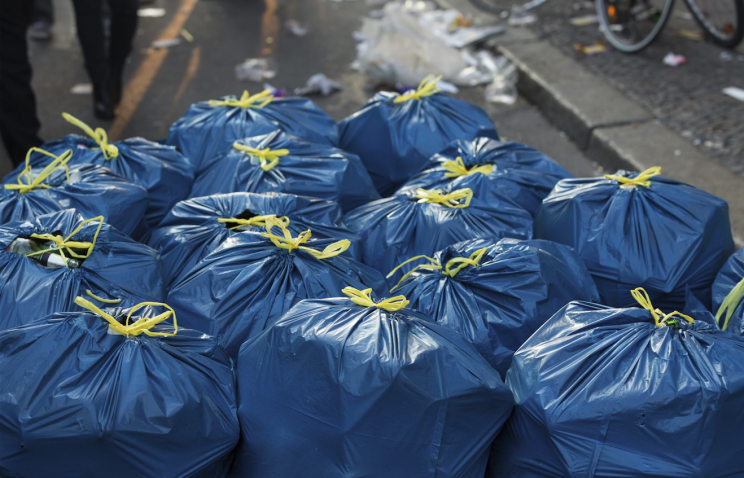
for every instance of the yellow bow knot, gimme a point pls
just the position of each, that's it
(266, 156)
(427, 87)
(99, 136)
(67, 244)
(457, 168)
(290, 243)
(660, 318)
(730, 303)
(363, 298)
(246, 101)
(453, 199)
(452, 268)
(36, 182)
(255, 221)
(641, 180)
(143, 325)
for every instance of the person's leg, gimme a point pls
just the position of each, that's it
(42, 20)
(123, 29)
(89, 22)
(19, 126)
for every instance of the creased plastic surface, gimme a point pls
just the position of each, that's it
(161, 170)
(395, 140)
(76, 401)
(191, 230)
(499, 304)
(309, 169)
(662, 238)
(730, 274)
(522, 173)
(235, 292)
(335, 389)
(206, 130)
(92, 190)
(398, 228)
(603, 392)
(118, 268)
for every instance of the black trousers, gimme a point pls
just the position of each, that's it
(89, 22)
(19, 126)
(43, 11)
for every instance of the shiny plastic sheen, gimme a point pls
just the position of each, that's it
(731, 274)
(335, 389)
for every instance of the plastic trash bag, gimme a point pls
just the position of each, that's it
(396, 135)
(640, 229)
(252, 279)
(213, 126)
(604, 392)
(197, 226)
(77, 398)
(90, 189)
(118, 270)
(522, 173)
(727, 292)
(423, 222)
(496, 294)
(161, 170)
(334, 388)
(278, 162)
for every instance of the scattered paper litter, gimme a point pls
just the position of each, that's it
(674, 60)
(167, 43)
(151, 12)
(82, 89)
(298, 29)
(734, 92)
(584, 20)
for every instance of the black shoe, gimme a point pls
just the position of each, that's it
(115, 86)
(102, 106)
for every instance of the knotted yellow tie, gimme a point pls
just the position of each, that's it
(267, 157)
(246, 101)
(363, 298)
(427, 87)
(453, 199)
(641, 180)
(730, 303)
(451, 269)
(290, 243)
(143, 325)
(67, 244)
(457, 168)
(99, 136)
(255, 221)
(35, 182)
(660, 318)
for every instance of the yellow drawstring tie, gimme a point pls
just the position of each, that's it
(452, 199)
(99, 299)
(427, 87)
(67, 244)
(641, 180)
(255, 221)
(362, 297)
(246, 101)
(143, 325)
(452, 268)
(35, 182)
(99, 136)
(457, 168)
(289, 243)
(268, 158)
(730, 303)
(660, 318)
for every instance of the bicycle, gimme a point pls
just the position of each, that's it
(631, 25)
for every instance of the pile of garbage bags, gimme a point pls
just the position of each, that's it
(271, 294)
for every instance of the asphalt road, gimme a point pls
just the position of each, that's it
(161, 84)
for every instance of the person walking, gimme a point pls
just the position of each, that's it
(42, 21)
(105, 68)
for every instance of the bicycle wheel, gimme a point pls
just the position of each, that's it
(723, 20)
(631, 25)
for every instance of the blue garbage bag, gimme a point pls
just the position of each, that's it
(497, 293)
(117, 269)
(640, 229)
(522, 173)
(213, 126)
(161, 170)
(197, 226)
(605, 392)
(727, 291)
(78, 399)
(253, 279)
(277, 162)
(423, 222)
(335, 389)
(90, 189)
(396, 135)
